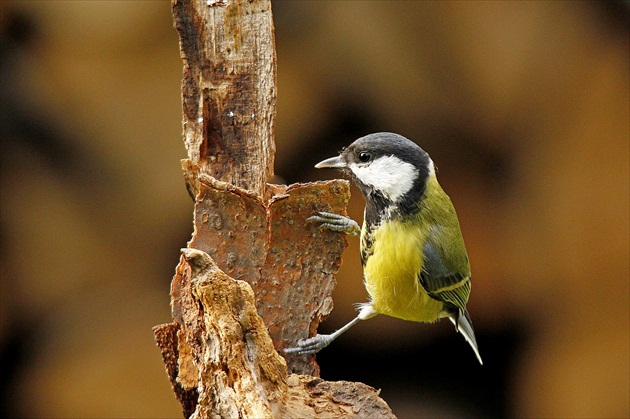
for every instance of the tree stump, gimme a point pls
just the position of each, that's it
(256, 277)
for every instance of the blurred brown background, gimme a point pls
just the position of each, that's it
(524, 106)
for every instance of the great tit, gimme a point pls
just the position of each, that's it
(414, 260)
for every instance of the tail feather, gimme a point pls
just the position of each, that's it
(463, 325)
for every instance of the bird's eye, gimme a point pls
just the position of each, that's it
(365, 156)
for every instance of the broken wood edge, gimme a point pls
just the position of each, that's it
(194, 177)
(224, 363)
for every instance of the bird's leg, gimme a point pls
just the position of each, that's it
(319, 342)
(336, 222)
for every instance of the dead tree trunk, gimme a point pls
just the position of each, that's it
(252, 256)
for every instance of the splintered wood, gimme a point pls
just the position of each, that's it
(221, 360)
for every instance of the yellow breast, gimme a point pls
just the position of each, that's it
(391, 273)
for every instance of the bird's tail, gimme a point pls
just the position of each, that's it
(463, 325)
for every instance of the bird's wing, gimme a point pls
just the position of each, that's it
(442, 280)
(446, 278)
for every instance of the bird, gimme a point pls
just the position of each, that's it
(415, 264)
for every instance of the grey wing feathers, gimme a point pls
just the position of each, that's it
(440, 283)
(452, 288)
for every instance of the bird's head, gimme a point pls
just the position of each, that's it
(385, 165)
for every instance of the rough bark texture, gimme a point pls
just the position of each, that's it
(252, 253)
(225, 352)
(166, 338)
(228, 90)
(268, 243)
(221, 360)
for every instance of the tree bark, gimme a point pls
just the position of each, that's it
(256, 277)
(228, 90)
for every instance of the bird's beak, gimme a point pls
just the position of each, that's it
(332, 163)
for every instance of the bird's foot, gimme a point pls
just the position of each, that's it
(311, 345)
(336, 222)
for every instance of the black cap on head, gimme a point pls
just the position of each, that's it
(386, 144)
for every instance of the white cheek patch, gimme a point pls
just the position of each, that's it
(389, 175)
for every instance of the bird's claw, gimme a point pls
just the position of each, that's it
(336, 222)
(310, 346)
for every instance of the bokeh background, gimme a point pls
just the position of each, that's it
(524, 106)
